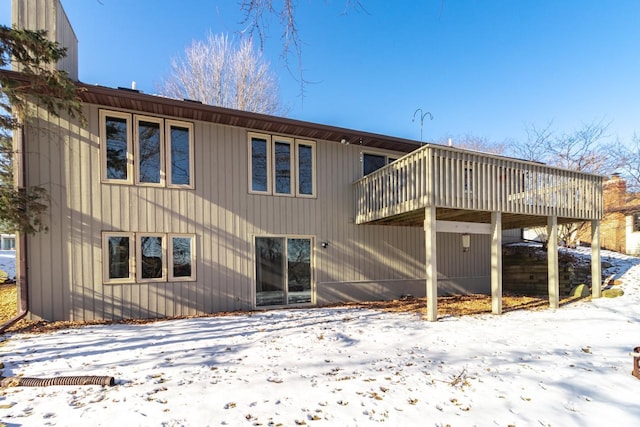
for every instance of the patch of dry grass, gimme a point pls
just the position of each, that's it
(460, 305)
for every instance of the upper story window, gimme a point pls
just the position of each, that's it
(156, 151)
(281, 166)
(372, 162)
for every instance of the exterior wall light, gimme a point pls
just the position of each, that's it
(466, 242)
(325, 245)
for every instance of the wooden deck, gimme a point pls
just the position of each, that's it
(467, 186)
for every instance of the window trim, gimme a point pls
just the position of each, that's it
(312, 262)
(105, 257)
(170, 276)
(267, 138)
(167, 143)
(103, 147)
(139, 278)
(295, 144)
(311, 144)
(292, 165)
(136, 143)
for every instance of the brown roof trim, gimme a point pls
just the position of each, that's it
(193, 110)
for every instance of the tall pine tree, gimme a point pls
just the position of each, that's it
(37, 82)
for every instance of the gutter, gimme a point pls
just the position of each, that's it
(21, 241)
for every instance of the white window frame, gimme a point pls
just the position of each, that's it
(250, 137)
(136, 137)
(139, 277)
(292, 165)
(105, 257)
(312, 261)
(103, 147)
(295, 144)
(314, 175)
(168, 124)
(171, 277)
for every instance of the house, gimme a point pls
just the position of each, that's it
(7, 241)
(162, 207)
(620, 228)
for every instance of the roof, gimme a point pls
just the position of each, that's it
(194, 110)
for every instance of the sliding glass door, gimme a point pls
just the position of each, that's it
(283, 271)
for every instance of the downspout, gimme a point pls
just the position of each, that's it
(21, 241)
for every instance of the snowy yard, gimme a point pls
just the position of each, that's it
(342, 367)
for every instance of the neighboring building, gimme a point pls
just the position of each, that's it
(161, 207)
(7, 242)
(620, 229)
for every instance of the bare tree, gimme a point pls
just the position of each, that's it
(475, 143)
(627, 161)
(223, 73)
(584, 150)
(257, 14)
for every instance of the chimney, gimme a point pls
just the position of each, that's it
(48, 15)
(615, 192)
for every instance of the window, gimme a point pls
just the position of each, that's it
(283, 271)
(180, 154)
(259, 170)
(281, 166)
(636, 222)
(182, 258)
(161, 153)
(148, 257)
(117, 250)
(151, 258)
(149, 150)
(116, 149)
(373, 162)
(306, 165)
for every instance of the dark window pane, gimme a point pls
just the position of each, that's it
(116, 140)
(181, 248)
(149, 152)
(151, 253)
(259, 164)
(299, 270)
(305, 169)
(283, 167)
(269, 271)
(372, 163)
(118, 257)
(180, 156)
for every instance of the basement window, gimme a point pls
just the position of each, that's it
(148, 257)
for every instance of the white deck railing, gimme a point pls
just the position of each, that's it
(448, 177)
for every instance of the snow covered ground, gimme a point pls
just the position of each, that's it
(8, 263)
(342, 367)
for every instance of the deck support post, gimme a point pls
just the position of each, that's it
(552, 261)
(596, 261)
(496, 262)
(431, 265)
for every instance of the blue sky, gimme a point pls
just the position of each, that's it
(488, 68)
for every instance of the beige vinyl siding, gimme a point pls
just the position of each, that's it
(50, 16)
(65, 264)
